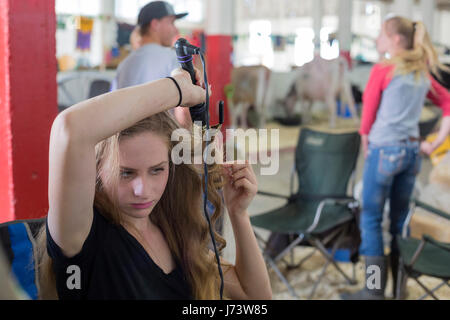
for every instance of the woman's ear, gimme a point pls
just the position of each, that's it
(398, 40)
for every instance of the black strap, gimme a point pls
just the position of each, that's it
(179, 90)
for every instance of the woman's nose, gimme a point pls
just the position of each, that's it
(139, 187)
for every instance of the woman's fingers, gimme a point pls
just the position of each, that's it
(179, 71)
(243, 173)
(192, 94)
(426, 147)
(237, 171)
(233, 166)
(246, 184)
(199, 78)
(210, 91)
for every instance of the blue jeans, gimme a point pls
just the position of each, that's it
(389, 173)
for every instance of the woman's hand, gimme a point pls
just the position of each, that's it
(192, 94)
(240, 187)
(427, 147)
(444, 131)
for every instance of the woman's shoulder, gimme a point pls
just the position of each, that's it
(104, 223)
(383, 67)
(381, 74)
(99, 228)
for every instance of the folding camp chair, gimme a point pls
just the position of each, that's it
(17, 241)
(320, 213)
(422, 257)
(98, 87)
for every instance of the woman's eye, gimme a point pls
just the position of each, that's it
(157, 170)
(126, 174)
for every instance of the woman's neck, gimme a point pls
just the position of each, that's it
(142, 225)
(395, 52)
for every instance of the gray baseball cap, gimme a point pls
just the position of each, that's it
(157, 10)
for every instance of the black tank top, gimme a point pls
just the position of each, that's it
(112, 264)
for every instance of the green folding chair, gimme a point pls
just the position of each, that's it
(320, 213)
(422, 257)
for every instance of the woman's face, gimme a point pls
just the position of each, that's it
(384, 41)
(144, 171)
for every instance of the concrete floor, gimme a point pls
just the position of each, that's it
(333, 283)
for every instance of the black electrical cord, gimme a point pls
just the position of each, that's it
(205, 193)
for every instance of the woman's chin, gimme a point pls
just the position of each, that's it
(138, 212)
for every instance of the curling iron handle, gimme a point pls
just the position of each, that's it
(191, 72)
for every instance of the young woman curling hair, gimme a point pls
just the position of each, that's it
(126, 220)
(393, 101)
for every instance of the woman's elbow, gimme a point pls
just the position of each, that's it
(267, 295)
(261, 294)
(65, 128)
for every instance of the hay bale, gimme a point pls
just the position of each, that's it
(427, 223)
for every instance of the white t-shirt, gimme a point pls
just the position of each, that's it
(150, 62)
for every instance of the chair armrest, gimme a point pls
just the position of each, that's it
(421, 245)
(330, 201)
(432, 209)
(427, 207)
(443, 246)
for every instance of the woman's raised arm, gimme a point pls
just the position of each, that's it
(74, 134)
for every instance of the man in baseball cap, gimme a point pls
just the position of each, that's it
(157, 10)
(154, 58)
(155, 13)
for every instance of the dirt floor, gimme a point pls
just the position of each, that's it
(303, 278)
(333, 283)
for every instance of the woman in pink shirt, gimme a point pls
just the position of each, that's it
(393, 101)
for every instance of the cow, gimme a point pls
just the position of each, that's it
(320, 80)
(250, 86)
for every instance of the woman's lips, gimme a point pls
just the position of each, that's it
(145, 205)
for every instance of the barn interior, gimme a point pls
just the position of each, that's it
(283, 69)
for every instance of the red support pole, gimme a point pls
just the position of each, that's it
(28, 105)
(219, 49)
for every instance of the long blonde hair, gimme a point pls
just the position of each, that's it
(419, 56)
(178, 214)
